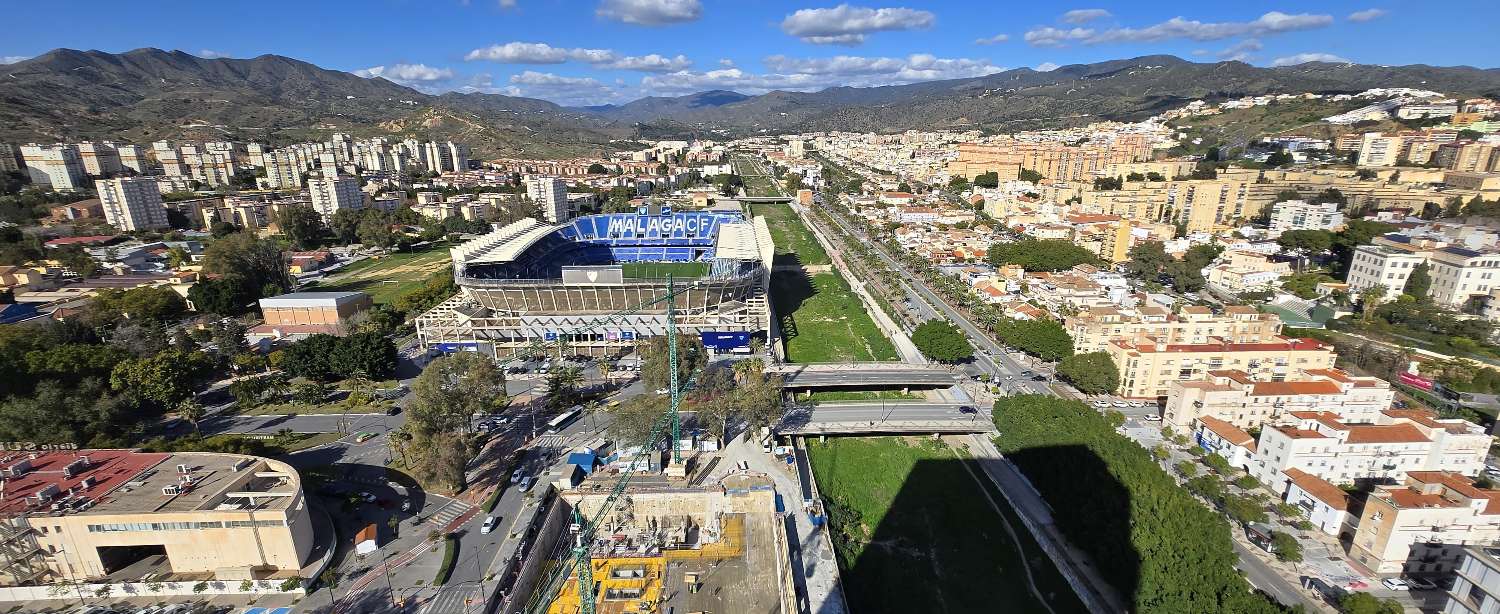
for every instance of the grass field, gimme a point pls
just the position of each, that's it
(387, 278)
(678, 270)
(756, 184)
(794, 242)
(823, 321)
(913, 534)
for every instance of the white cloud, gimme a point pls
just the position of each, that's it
(1077, 16)
(1048, 36)
(542, 53)
(848, 25)
(1274, 22)
(1046, 67)
(650, 12)
(811, 74)
(507, 4)
(1240, 52)
(726, 62)
(12, 59)
(1303, 58)
(1366, 15)
(993, 40)
(211, 54)
(649, 63)
(407, 74)
(560, 89)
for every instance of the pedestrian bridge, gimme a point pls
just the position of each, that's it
(882, 418)
(863, 375)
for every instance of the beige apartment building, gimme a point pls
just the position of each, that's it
(1007, 158)
(1147, 369)
(1397, 442)
(1235, 397)
(1424, 525)
(1238, 271)
(81, 515)
(1094, 329)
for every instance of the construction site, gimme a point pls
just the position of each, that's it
(663, 545)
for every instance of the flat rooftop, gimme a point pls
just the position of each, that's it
(130, 481)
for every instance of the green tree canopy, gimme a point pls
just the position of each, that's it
(302, 226)
(1091, 373)
(1045, 339)
(1029, 175)
(1041, 254)
(656, 370)
(987, 180)
(940, 340)
(1309, 241)
(1419, 282)
(165, 379)
(453, 389)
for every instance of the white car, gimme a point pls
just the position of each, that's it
(1121, 404)
(1395, 584)
(526, 483)
(1101, 404)
(663, 391)
(515, 476)
(1153, 418)
(1137, 403)
(367, 497)
(489, 525)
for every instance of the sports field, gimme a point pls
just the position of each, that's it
(388, 277)
(913, 533)
(822, 320)
(794, 242)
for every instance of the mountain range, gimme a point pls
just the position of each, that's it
(149, 94)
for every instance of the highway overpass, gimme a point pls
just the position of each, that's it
(863, 375)
(877, 418)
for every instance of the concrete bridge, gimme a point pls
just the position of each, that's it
(878, 418)
(863, 375)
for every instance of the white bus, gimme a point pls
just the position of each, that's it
(564, 419)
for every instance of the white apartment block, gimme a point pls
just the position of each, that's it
(133, 158)
(1376, 149)
(1093, 329)
(283, 170)
(1236, 398)
(550, 194)
(330, 194)
(132, 203)
(99, 159)
(1398, 441)
(1425, 525)
(58, 166)
(1302, 215)
(1459, 274)
(1382, 265)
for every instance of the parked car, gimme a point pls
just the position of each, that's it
(1421, 584)
(1120, 404)
(527, 482)
(489, 525)
(1395, 584)
(1153, 418)
(406, 505)
(1101, 404)
(366, 497)
(515, 476)
(967, 409)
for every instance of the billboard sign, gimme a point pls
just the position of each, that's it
(1415, 381)
(466, 346)
(722, 341)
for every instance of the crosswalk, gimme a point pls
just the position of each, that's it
(550, 441)
(450, 600)
(447, 513)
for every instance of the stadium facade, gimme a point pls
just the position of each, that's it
(592, 282)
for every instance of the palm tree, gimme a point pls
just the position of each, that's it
(191, 411)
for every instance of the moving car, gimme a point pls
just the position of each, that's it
(1395, 584)
(489, 525)
(366, 497)
(967, 409)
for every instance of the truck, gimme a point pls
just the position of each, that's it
(367, 540)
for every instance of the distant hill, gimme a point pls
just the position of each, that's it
(1024, 98)
(150, 94)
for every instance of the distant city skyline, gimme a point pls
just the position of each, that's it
(614, 51)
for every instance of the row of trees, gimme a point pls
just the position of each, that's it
(941, 341)
(1045, 339)
(1166, 552)
(327, 358)
(1150, 262)
(1091, 373)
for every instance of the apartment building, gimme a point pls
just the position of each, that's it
(1094, 329)
(1235, 397)
(333, 193)
(1425, 525)
(1324, 444)
(1476, 585)
(1326, 506)
(1148, 369)
(132, 203)
(99, 159)
(1239, 271)
(1384, 265)
(133, 158)
(78, 516)
(550, 194)
(10, 158)
(1459, 274)
(57, 166)
(283, 170)
(1378, 149)
(1302, 215)
(1468, 156)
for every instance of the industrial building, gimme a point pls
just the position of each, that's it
(125, 515)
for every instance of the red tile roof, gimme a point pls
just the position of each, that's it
(1294, 388)
(1386, 433)
(1226, 431)
(1319, 488)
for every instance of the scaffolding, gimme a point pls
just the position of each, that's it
(22, 560)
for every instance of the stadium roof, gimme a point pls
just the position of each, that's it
(504, 244)
(737, 241)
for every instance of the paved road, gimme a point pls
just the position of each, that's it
(867, 376)
(887, 417)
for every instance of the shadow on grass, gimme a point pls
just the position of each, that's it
(940, 547)
(789, 290)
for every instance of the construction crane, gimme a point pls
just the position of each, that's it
(586, 528)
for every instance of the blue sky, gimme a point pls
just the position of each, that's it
(598, 51)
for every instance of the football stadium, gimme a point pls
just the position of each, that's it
(593, 283)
